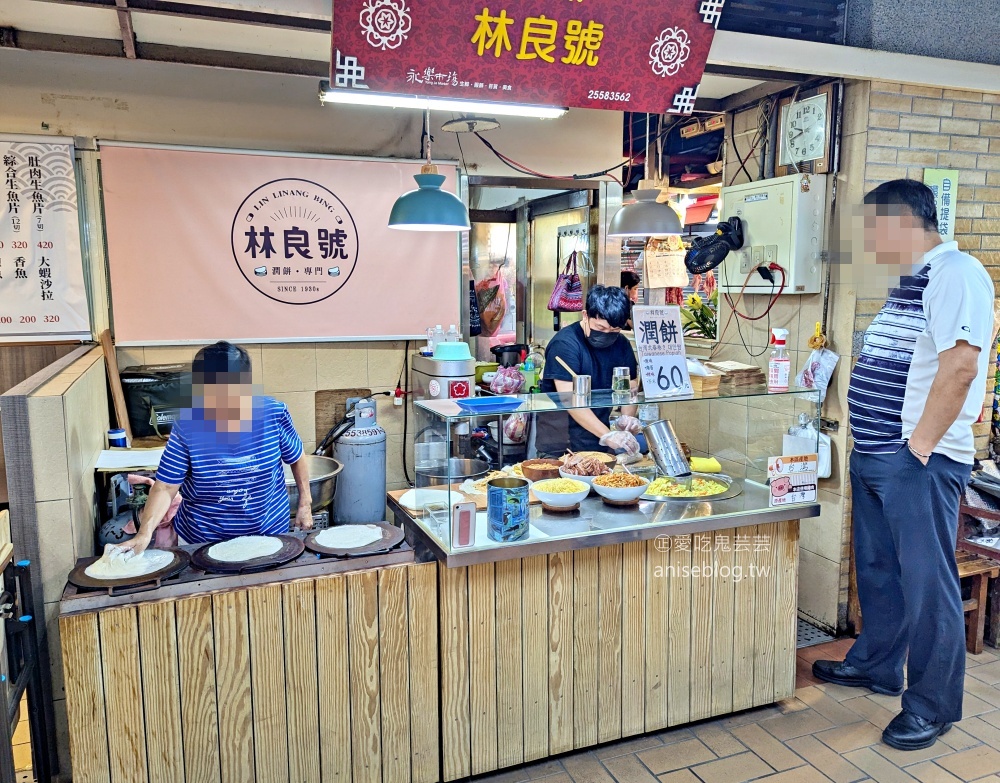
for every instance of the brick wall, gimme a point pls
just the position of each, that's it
(911, 128)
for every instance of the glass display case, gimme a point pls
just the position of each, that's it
(462, 504)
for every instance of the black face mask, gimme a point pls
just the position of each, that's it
(601, 339)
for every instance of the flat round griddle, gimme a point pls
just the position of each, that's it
(150, 581)
(291, 548)
(392, 536)
(733, 488)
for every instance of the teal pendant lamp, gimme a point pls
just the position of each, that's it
(428, 208)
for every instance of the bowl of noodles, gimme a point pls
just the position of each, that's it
(704, 486)
(560, 492)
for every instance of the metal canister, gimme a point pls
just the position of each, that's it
(666, 449)
(581, 385)
(507, 509)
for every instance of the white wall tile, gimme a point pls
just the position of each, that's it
(289, 368)
(342, 365)
(819, 588)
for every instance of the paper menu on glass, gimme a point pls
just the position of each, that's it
(660, 268)
(792, 479)
(659, 340)
(128, 459)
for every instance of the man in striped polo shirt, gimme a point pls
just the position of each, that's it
(914, 395)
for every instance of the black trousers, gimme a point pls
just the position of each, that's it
(905, 525)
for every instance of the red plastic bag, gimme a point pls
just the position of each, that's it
(492, 296)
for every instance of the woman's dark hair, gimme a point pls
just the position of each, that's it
(630, 280)
(609, 303)
(915, 197)
(221, 363)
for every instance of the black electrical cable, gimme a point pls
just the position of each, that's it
(404, 381)
(461, 152)
(522, 169)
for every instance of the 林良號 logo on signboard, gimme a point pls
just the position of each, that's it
(295, 241)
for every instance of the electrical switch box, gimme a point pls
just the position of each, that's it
(784, 223)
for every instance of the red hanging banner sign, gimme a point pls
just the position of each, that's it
(641, 56)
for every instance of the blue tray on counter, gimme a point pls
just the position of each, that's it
(486, 405)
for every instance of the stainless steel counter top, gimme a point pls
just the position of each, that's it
(598, 524)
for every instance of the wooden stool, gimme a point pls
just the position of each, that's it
(992, 620)
(980, 570)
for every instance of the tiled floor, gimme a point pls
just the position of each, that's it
(825, 733)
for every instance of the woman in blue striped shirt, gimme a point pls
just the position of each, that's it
(225, 457)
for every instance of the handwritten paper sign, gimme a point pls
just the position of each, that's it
(659, 338)
(42, 291)
(792, 479)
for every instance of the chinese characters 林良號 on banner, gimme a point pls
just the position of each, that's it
(644, 55)
(248, 247)
(42, 292)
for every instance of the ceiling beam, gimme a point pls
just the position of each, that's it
(766, 54)
(757, 74)
(186, 55)
(209, 13)
(125, 24)
(754, 94)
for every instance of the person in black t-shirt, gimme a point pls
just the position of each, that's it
(630, 285)
(592, 347)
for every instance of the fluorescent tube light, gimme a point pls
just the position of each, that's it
(364, 98)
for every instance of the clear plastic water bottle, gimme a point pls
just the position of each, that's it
(438, 335)
(452, 335)
(430, 339)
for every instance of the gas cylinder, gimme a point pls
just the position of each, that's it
(360, 496)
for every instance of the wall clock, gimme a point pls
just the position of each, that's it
(805, 128)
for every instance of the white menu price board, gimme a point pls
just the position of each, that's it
(42, 292)
(792, 479)
(659, 339)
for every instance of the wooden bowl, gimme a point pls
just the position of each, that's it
(540, 469)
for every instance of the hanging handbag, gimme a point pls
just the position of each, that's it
(567, 296)
(492, 295)
(475, 322)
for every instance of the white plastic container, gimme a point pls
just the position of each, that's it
(779, 366)
(452, 335)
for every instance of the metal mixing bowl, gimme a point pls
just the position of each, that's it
(454, 471)
(322, 482)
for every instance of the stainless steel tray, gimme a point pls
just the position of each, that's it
(733, 488)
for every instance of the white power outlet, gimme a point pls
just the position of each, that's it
(757, 256)
(770, 254)
(745, 265)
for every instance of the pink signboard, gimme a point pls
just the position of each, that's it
(247, 247)
(643, 55)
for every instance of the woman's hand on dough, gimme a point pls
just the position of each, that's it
(304, 519)
(136, 545)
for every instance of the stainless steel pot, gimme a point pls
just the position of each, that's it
(454, 471)
(323, 473)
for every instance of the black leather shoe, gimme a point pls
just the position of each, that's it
(908, 731)
(842, 673)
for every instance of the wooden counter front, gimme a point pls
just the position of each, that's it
(333, 678)
(337, 678)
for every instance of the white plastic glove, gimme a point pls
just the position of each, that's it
(616, 439)
(628, 424)
(628, 459)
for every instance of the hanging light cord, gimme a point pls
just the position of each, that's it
(521, 168)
